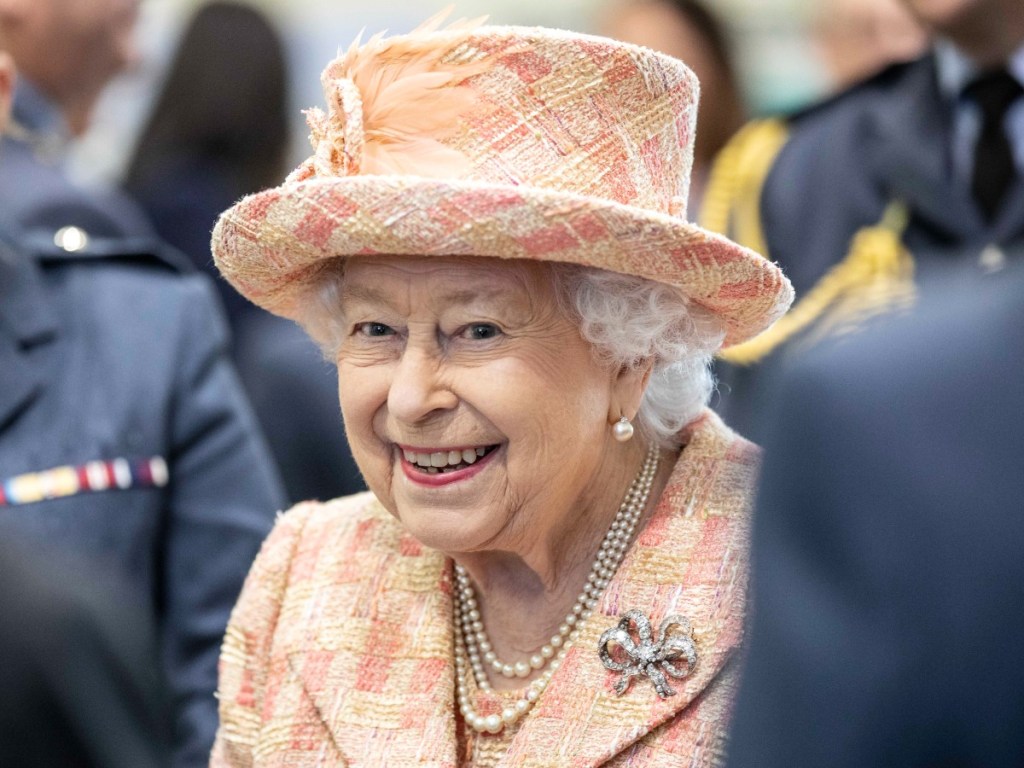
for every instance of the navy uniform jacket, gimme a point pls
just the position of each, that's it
(888, 585)
(109, 353)
(844, 162)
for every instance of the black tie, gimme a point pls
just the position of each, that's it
(994, 170)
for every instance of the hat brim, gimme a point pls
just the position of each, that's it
(271, 245)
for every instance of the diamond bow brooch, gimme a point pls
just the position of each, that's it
(652, 656)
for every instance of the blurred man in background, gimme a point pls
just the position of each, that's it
(79, 681)
(887, 574)
(888, 577)
(124, 435)
(66, 52)
(863, 199)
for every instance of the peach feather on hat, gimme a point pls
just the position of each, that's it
(408, 99)
(504, 142)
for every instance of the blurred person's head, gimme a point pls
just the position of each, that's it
(857, 38)
(6, 87)
(224, 100)
(70, 49)
(987, 31)
(687, 30)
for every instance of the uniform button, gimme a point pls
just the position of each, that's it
(71, 239)
(992, 258)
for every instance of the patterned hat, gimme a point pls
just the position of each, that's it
(515, 143)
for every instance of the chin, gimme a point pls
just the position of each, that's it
(943, 14)
(449, 532)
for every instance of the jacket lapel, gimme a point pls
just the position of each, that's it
(909, 144)
(376, 659)
(26, 320)
(20, 382)
(690, 559)
(909, 139)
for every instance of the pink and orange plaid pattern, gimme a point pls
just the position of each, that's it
(572, 148)
(340, 650)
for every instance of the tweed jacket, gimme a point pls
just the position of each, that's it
(340, 650)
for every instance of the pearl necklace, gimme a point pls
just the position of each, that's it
(473, 648)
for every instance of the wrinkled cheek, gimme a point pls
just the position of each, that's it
(364, 414)
(531, 462)
(362, 433)
(376, 464)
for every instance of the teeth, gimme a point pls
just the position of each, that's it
(439, 460)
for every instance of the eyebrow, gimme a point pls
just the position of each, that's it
(374, 295)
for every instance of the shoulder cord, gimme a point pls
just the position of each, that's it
(875, 277)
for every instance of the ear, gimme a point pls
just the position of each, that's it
(628, 391)
(6, 87)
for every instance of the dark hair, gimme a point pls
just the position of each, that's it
(224, 101)
(710, 28)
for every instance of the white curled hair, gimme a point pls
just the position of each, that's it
(629, 321)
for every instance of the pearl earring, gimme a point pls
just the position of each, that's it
(623, 430)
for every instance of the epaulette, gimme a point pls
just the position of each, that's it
(73, 244)
(881, 80)
(875, 277)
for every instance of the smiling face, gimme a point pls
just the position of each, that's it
(945, 14)
(471, 366)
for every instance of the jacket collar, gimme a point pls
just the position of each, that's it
(41, 122)
(690, 559)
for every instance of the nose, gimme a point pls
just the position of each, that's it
(418, 389)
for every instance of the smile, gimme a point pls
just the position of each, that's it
(441, 466)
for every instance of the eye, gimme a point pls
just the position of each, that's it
(374, 330)
(481, 331)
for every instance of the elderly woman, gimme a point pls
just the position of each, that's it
(549, 567)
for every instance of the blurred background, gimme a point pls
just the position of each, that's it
(776, 44)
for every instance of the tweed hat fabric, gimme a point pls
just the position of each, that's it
(516, 143)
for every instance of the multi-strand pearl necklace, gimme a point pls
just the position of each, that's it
(473, 650)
